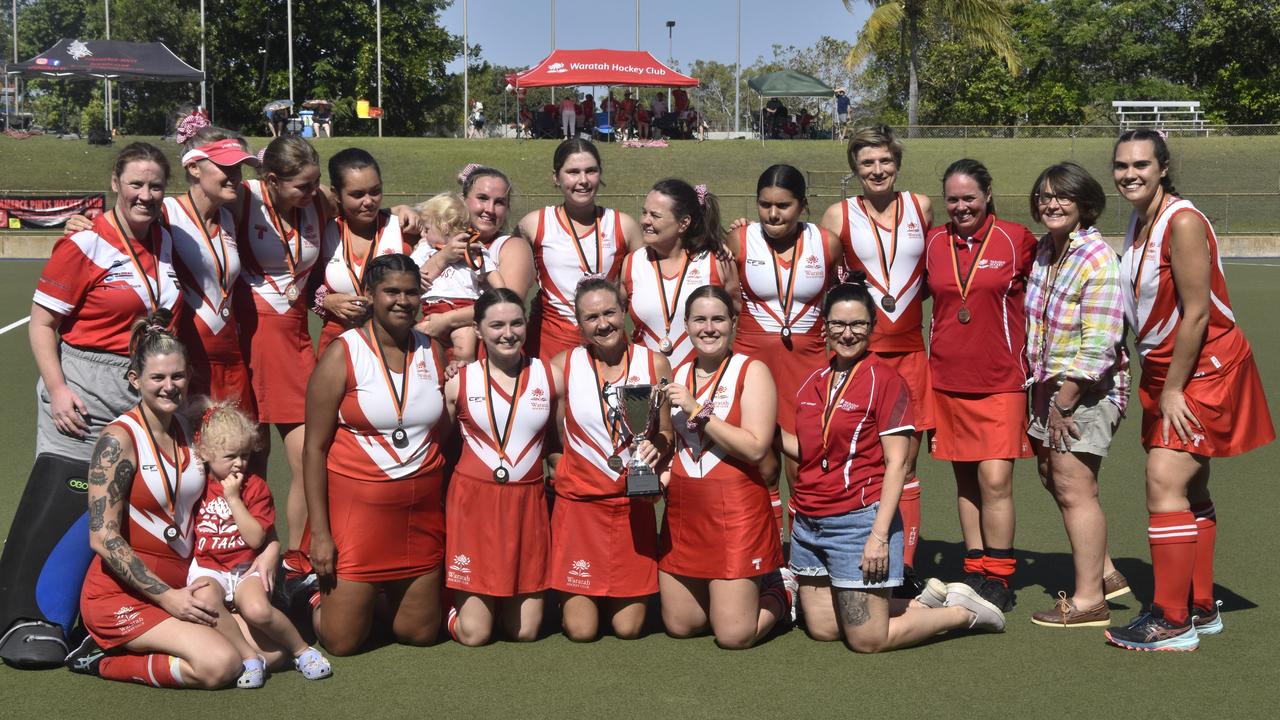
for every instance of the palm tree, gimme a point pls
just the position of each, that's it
(984, 24)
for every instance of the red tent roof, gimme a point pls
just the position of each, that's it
(600, 67)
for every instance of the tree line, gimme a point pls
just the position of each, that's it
(970, 62)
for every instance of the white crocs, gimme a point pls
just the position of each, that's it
(254, 675)
(312, 665)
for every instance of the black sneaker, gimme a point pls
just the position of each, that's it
(911, 586)
(1151, 631)
(998, 594)
(85, 658)
(974, 580)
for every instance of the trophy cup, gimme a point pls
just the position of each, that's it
(635, 409)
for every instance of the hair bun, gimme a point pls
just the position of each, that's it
(856, 277)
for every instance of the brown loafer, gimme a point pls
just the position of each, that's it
(1114, 585)
(1064, 614)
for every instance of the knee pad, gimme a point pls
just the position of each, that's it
(45, 557)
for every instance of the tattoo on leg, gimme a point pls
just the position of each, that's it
(853, 607)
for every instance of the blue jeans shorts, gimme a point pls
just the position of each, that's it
(832, 547)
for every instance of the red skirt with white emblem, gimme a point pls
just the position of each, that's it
(386, 530)
(1231, 407)
(972, 428)
(115, 614)
(718, 529)
(604, 548)
(496, 537)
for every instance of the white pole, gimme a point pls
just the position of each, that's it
(466, 76)
(378, 11)
(671, 61)
(106, 84)
(637, 24)
(737, 77)
(288, 8)
(204, 99)
(14, 97)
(553, 46)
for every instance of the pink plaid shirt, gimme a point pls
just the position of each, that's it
(1075, 329)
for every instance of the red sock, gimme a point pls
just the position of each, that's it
(909, 509)
(973, 561)
(998, 564)
(1202, 574)
(1173, 557)
(156, 670)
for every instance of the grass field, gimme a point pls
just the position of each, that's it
(1027, 672)
(1205, 169)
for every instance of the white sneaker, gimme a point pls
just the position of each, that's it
(934, 594)
(986, 616)
(792, 585)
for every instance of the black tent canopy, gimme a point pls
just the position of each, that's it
(109, 60)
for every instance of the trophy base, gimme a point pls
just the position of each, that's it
(642, 482)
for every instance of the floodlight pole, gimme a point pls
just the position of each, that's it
(288, 9)
(378, 32)
(106, 84)
(466, 76)
(737, 77)
(553, 42)
(671, 24)
(14, 97)
(204, 99)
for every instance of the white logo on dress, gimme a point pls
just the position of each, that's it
(461, 564)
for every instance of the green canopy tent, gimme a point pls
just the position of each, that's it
(787, 83)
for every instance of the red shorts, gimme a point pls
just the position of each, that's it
(546, 338)
(496, 537)
(790, 366)
(281, 359)
(971, 427)
(604, 548)
(386, 530)
(718, 529)
(115, 614)
(1231, 407)
(914, 368)
(436, 307)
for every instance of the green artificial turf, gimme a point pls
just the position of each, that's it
(415, 168)
(1027, 672)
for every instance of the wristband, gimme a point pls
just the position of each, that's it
(879, 539)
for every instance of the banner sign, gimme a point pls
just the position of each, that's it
(46, 211)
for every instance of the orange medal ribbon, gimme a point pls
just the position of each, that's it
(502, 437)
(615, 434)
(153, 293)
(885, 266)
(562, 214)
(835, 395)
(712, 384)
(397, 396)
(967, 283)
(786, 298)
(669, 312)
(172, 490)
(291, 253)
(219, 261)
(357, 281)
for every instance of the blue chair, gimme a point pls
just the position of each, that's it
(603, 128)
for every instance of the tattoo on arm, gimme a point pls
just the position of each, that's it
(853, 607)
(119, 485)
(130, 568)
(97, 506)
(105, 454)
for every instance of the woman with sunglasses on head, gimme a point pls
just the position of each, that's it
(882, 231)
(854, 423)
(1080, 374)
(976, 268)
(571, 240)
(497, 528)
(1200, 391)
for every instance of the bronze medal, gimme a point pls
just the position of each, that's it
(400, 438)
(888, 303)
(291, 293)
(665, 346)
(786, 333)
(501, 475)
(170, 532)
(225, 312)
(964, 315)
(615, 463)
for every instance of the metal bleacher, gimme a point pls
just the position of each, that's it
(1181, 116)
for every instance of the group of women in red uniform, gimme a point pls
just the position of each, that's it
(781, 338)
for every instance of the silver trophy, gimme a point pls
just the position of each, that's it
(634, 409)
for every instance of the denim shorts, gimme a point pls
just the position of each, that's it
(832, 547)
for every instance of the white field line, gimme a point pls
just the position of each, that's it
(15, 324)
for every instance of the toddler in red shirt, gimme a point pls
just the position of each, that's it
(235, 522)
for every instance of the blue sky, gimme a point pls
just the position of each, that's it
(518, 32)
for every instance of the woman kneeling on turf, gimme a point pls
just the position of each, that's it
(854, 424)
(144, 483)
(234, 522)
